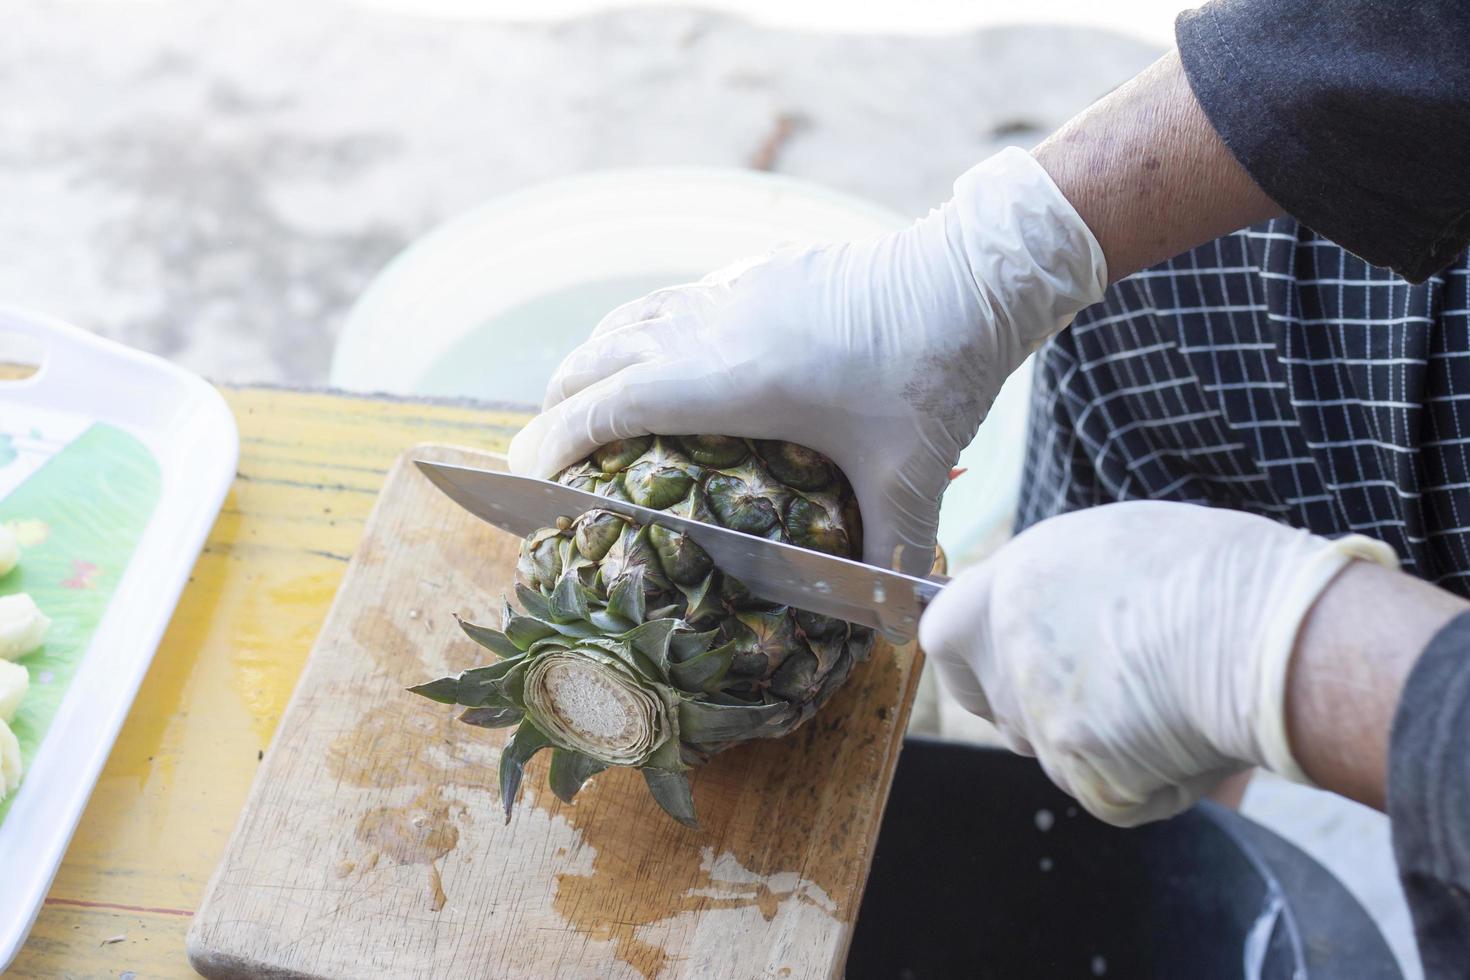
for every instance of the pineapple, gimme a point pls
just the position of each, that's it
(633, 649)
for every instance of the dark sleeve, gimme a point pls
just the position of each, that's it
(1429, 799)
(1352, 115)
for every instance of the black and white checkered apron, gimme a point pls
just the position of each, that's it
(1268, 371)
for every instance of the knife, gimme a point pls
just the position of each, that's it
(838, 587)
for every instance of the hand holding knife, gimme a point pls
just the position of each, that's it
(838, 587)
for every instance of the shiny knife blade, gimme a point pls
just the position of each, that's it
(888, 601)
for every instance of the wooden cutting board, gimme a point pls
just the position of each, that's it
(373, 845)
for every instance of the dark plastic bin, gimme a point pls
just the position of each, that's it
(984, 869)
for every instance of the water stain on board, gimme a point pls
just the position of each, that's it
(393, 746)
(389, 747)
(762, 805)
(389, 645)
(420, 833)
(398, 745)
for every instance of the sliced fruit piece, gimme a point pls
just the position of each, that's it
(29, 532)
(9, 550)
(22, 626)
(14, 682)
(9, 761)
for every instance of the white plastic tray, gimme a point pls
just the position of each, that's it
(191, 434)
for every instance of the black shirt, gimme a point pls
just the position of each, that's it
(1353, 115)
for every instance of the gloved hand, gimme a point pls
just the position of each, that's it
(884, 354)
(1138, 650)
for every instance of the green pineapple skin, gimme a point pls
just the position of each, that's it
(651, 609)
(774, 489)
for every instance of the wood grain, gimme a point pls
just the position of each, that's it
(372, 844)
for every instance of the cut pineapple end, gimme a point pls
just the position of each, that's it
(594, 709)
(598, 711)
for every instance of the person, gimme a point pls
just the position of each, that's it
(1245, 521)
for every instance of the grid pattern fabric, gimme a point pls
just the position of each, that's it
(1272, 372)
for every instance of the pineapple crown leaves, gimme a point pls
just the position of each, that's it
(662, 669)
(633, 648)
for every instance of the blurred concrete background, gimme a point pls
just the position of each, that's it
(216, 182)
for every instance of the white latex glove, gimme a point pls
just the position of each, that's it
(884, 355)
(1138, 650)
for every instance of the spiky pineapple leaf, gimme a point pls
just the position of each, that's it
(703, 600)
(524, 743)
(685, 645)
(492, 716)
(652, 638)
(568, 602)
(647, 647)
(473, 688)
(569, 770)
(607, 644)
(526, 630)
(493, 640)
(533, 602)
(575, 629)
(702, 721)
(609, 623)
(667, 757)
(625, 598)
(512, 685)
(671, 790)
(445, 690)
(703, 672)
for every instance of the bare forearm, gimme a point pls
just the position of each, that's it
(1353, 654)
(1148, 173)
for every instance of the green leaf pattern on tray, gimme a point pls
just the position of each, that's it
(79, 516)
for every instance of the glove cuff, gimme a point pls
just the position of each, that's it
(1026, 247)
(1279, 641)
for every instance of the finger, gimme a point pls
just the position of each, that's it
(660, 302)
(605, 355)
(953, 634)
(1108, 796)
(632, 311)
(1014, 740)
(963, 686)
(642, 399)
(728, 275)
(956, 618)
(899, 523)
(897, 542)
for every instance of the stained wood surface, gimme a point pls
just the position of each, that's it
(373, 845)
